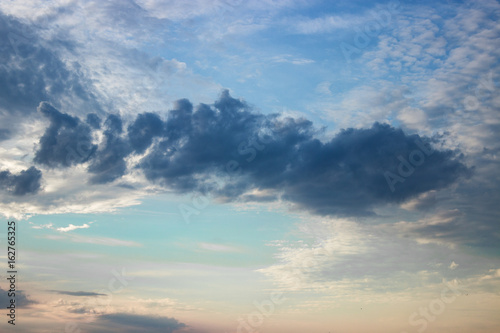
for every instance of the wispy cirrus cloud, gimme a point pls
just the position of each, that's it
(325, 24)
(217, 247)
(76, 293)
(97, 240)
(287, 58)
(42, 226)
(340, 257)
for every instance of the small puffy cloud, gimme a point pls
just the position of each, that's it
(453, 265)
(72, 227)
(413, 117)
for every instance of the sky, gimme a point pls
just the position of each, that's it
(251, 166)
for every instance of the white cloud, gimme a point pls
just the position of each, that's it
(423, 230)
(413, 118)
(72, 227)
(42, 226)
(69, 192)
(161, 303)
(340, 258)
(423, 201)
(362, 105)
(330, 240)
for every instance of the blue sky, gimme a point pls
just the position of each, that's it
(261, 166)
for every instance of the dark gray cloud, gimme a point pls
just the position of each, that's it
(5, 133)
(142, 131)
(348, 175)
(344, 176)
(22, 301)
(126, 322)
(66, 141)
(26, 182)
(227, 150)
(200, 143)
(76, 293)
(109, 162)
(94, 121)
(23, 86)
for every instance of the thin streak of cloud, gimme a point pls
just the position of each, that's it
(217, 247)
(292, 60)
(94, 240)
(72, 227)
(42, 226)
(324, 24)
(76, 293)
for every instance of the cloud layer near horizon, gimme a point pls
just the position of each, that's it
(127, 322)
